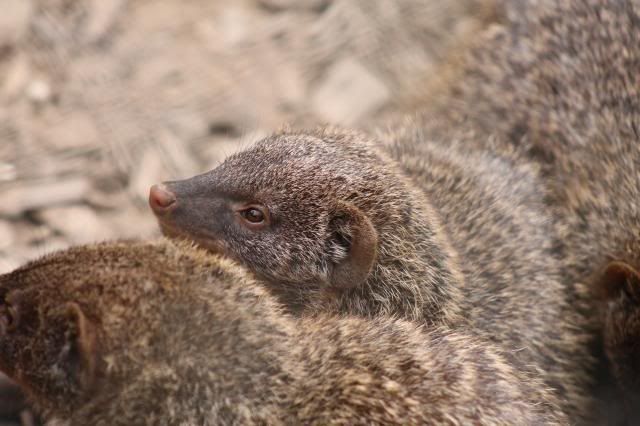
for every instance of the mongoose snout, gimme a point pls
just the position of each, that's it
(161, 199)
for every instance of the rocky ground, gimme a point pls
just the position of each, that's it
(99, 99)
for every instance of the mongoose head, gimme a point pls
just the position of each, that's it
(113, 331)
(295, 207)
(48, 340)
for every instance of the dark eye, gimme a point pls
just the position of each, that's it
(253, 215)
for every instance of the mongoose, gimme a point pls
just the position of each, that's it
(139, 333)
(444, 234)
(560, 82)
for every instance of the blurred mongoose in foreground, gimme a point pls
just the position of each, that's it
(158, 334)
(443, 235)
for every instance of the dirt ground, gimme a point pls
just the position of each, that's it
(99, 99)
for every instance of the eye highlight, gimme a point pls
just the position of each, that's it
(254, 216)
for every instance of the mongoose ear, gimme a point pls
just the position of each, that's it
(352, 246)
(620, 277)
(78, 354)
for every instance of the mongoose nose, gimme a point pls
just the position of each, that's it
(161, 199)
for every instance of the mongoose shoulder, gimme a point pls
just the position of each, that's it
(155, 334)
(336, 220)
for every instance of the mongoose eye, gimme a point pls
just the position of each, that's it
(254, 216)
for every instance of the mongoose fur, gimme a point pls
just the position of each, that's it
(560, 82)
(156, 334)
(557, 83)
(444, 235)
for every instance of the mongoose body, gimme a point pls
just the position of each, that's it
(444, 235)
(555, 85)
(560, 83)
(155, 334)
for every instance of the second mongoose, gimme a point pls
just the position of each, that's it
(559, 82)
(158, 334)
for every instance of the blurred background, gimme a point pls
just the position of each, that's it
(99, 99)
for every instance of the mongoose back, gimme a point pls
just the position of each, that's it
(155, 334)
(333, 220)
(560, 82)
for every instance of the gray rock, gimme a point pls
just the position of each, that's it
(102, 15)
(348, 93)
(38, 194)
(14, 20)
(217, 151)
(133, 223)
(176, 154)
(150, 170)
(39, 91)
(17, 77)
(73, 131)
(80, 224)
(7, 172)
(7, 235)
(8, 264)
(23, 254)
(280, 5)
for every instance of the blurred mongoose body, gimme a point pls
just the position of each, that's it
(560, 83)
(155, 334)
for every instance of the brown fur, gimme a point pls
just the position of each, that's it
(557, 83)
(560, 83)
(620, 287)
(463, 238)
(154, 334)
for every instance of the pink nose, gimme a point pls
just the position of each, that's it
(161, 200)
